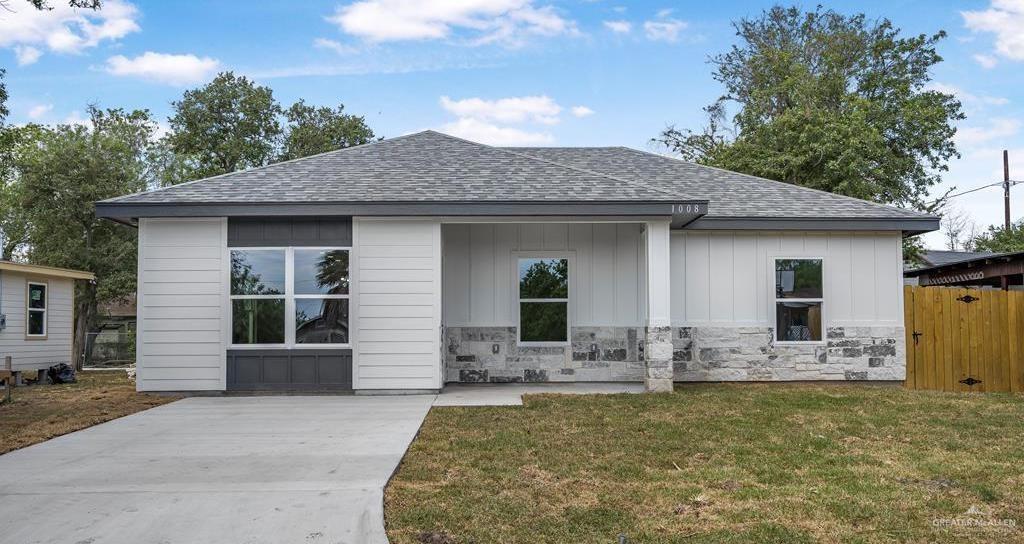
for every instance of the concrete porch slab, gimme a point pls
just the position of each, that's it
(508, 394)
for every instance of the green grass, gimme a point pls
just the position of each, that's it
(716, 463)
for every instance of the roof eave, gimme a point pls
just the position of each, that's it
(128, 211)
(909, 226)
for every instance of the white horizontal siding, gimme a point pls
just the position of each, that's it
(182, 321)
(726, 277)
(480, 280)
(35, 354)
(397, 293)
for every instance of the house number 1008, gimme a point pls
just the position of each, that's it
(687, 208)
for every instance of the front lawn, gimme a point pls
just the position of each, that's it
(718, 463)
(41, 412)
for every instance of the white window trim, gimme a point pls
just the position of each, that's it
(775, 300)
(45, 309)
(568, 255)
(289, 297)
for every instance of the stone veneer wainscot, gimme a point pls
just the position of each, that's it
(490, 354)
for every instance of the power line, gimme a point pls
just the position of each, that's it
(969, 191)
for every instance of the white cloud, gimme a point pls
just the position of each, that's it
(582, 111)
(63, 29)
(26, 54)
(998, 128)
(1004, 19)
(333, 45)
(664, 30)
(164, 68)
(508, 22)
(491, 134)
(38, 111)
(619, 27)
(538, 109)
(970, 100)
(986, 61)
(76, 118)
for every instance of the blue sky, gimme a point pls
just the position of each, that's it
(531, 72)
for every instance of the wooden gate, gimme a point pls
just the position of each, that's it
(964, 339)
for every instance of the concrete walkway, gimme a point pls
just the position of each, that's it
(511, 394)
(230, 470)
(243, 470)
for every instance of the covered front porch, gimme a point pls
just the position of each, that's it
(568, 300)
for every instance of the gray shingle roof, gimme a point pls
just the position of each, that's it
(422, 167)
(730, 194)
(937, 257)
(433, 167)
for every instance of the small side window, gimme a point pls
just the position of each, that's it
(799, 297)
(36, 315)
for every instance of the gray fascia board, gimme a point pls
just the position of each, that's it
(907, 225)
(117, 210)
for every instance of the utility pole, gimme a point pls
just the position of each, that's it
(1006, 189)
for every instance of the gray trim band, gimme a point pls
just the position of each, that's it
(908, 225)
(115, 210)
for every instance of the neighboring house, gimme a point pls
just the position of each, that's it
(36, 314)
(982, 269)
(939, 257)
(412, 262)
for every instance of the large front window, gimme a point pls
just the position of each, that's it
(799, 296)
(289, 296)
(543, 300)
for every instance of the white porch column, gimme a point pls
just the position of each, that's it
(658, 333)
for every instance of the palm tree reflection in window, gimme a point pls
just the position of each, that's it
(322, 320)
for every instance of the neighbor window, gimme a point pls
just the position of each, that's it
(543, 300)
(289, 296)
(36, 317)
(799, 297)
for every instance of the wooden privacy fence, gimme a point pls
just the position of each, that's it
(964, 339)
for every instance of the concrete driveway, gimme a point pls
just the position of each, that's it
(219, 470)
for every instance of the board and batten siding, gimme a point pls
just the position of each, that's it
(725, 278)
(182, 304)
(397, 298)
(606, 281)
(37, 353)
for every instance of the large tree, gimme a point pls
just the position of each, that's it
(231, 123)
(313, 130)
(228, 124)
(829, 101)
(63, 173)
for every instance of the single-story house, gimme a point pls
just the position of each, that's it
(409, 263)
(981, 270)
(37, 314)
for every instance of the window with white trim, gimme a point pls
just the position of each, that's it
(290, 296)
(543, 300)
(35, 318)
(799, 300)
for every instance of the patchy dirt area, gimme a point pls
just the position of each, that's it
(41, 412)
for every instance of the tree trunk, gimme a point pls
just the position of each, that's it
(85, 317)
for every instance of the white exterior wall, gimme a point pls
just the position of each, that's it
(397, 294)
(33, 354)
(607, 279)
(183, 313)
(725, 278)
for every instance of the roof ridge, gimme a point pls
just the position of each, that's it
(547, 161)
(761, 179)
(254, 168)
